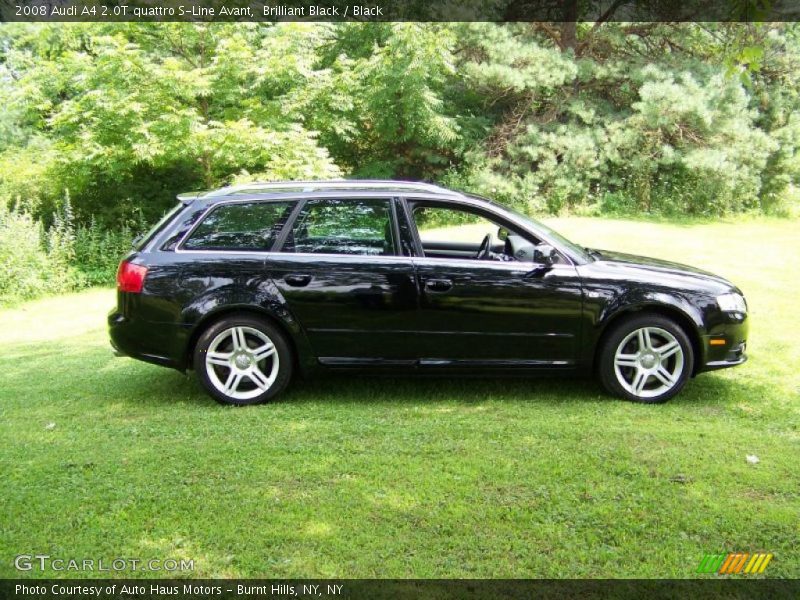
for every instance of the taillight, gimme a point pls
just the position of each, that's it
(130, 277)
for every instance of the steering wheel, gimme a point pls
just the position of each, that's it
(486, 248)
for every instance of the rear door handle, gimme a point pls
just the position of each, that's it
(438, 285)
(297, 280)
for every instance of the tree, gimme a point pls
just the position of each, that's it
(383, 113)
(653, 116)
(598, 116)
(209, 101)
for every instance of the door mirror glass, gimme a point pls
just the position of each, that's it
(502, 234)
(544, 254)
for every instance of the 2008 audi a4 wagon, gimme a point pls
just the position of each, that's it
(252, 283)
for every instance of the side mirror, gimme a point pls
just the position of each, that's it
(544, 254)
(502, 234)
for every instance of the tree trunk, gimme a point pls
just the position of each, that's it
(569, 36)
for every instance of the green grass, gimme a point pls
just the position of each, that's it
(359, 477)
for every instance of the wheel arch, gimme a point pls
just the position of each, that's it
(246, 310)
(667, 310)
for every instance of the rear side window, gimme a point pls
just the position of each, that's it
(240, 226)
(155, 229)
(343, 226)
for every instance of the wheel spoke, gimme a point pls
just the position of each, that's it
(664, 376)
(239, 342)
(645, 343)
(257, 376)
(625, 360)
(264, 351)
(219, 358)
(639, 380)
(668, 349)
(233, 381)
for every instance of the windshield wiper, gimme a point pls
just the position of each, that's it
(594, 253)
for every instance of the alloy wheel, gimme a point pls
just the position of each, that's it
(242, 362)
(648, 362)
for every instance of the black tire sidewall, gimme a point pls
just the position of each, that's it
(610, 343)
(282, 347)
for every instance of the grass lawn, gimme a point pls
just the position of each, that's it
(104, 457)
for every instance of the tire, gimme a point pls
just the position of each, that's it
(243, 360)
(647, 358)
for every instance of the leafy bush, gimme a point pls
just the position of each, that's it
(98, 252)
(28, 270)
(41, 260)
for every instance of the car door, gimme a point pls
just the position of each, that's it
(501, 312)
(340, 273)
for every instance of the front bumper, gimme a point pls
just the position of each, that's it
(735, 357)
(725, 346)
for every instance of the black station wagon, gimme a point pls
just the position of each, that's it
(252, 283)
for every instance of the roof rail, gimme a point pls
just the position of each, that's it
(189, 197)
(310, 186)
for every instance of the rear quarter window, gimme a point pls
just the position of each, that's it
(156, 229)
(240, 226)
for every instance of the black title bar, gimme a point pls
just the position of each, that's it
(401, 10)
(396, 589)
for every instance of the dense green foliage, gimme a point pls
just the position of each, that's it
(30, 266)
(657, 117)
(62, 257)
(674, 119)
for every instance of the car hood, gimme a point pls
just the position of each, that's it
(654, 270)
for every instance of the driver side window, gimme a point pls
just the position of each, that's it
(447, 232)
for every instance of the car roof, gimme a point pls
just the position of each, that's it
(273, 189)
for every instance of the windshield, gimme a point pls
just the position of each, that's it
(552, 234)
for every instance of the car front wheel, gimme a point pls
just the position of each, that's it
(647, 359)
(243, 360)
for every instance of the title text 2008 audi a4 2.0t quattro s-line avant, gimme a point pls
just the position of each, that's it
(251, 283)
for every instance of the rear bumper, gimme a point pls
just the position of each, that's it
(157, 343)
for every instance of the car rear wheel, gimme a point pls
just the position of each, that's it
(243, 360)
(647, 359)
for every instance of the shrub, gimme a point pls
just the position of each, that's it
(39, 260)
(27, 267)
(98, 252)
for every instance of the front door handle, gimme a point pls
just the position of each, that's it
(438, 285)
(297, 280)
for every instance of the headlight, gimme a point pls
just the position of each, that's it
(732, 303)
